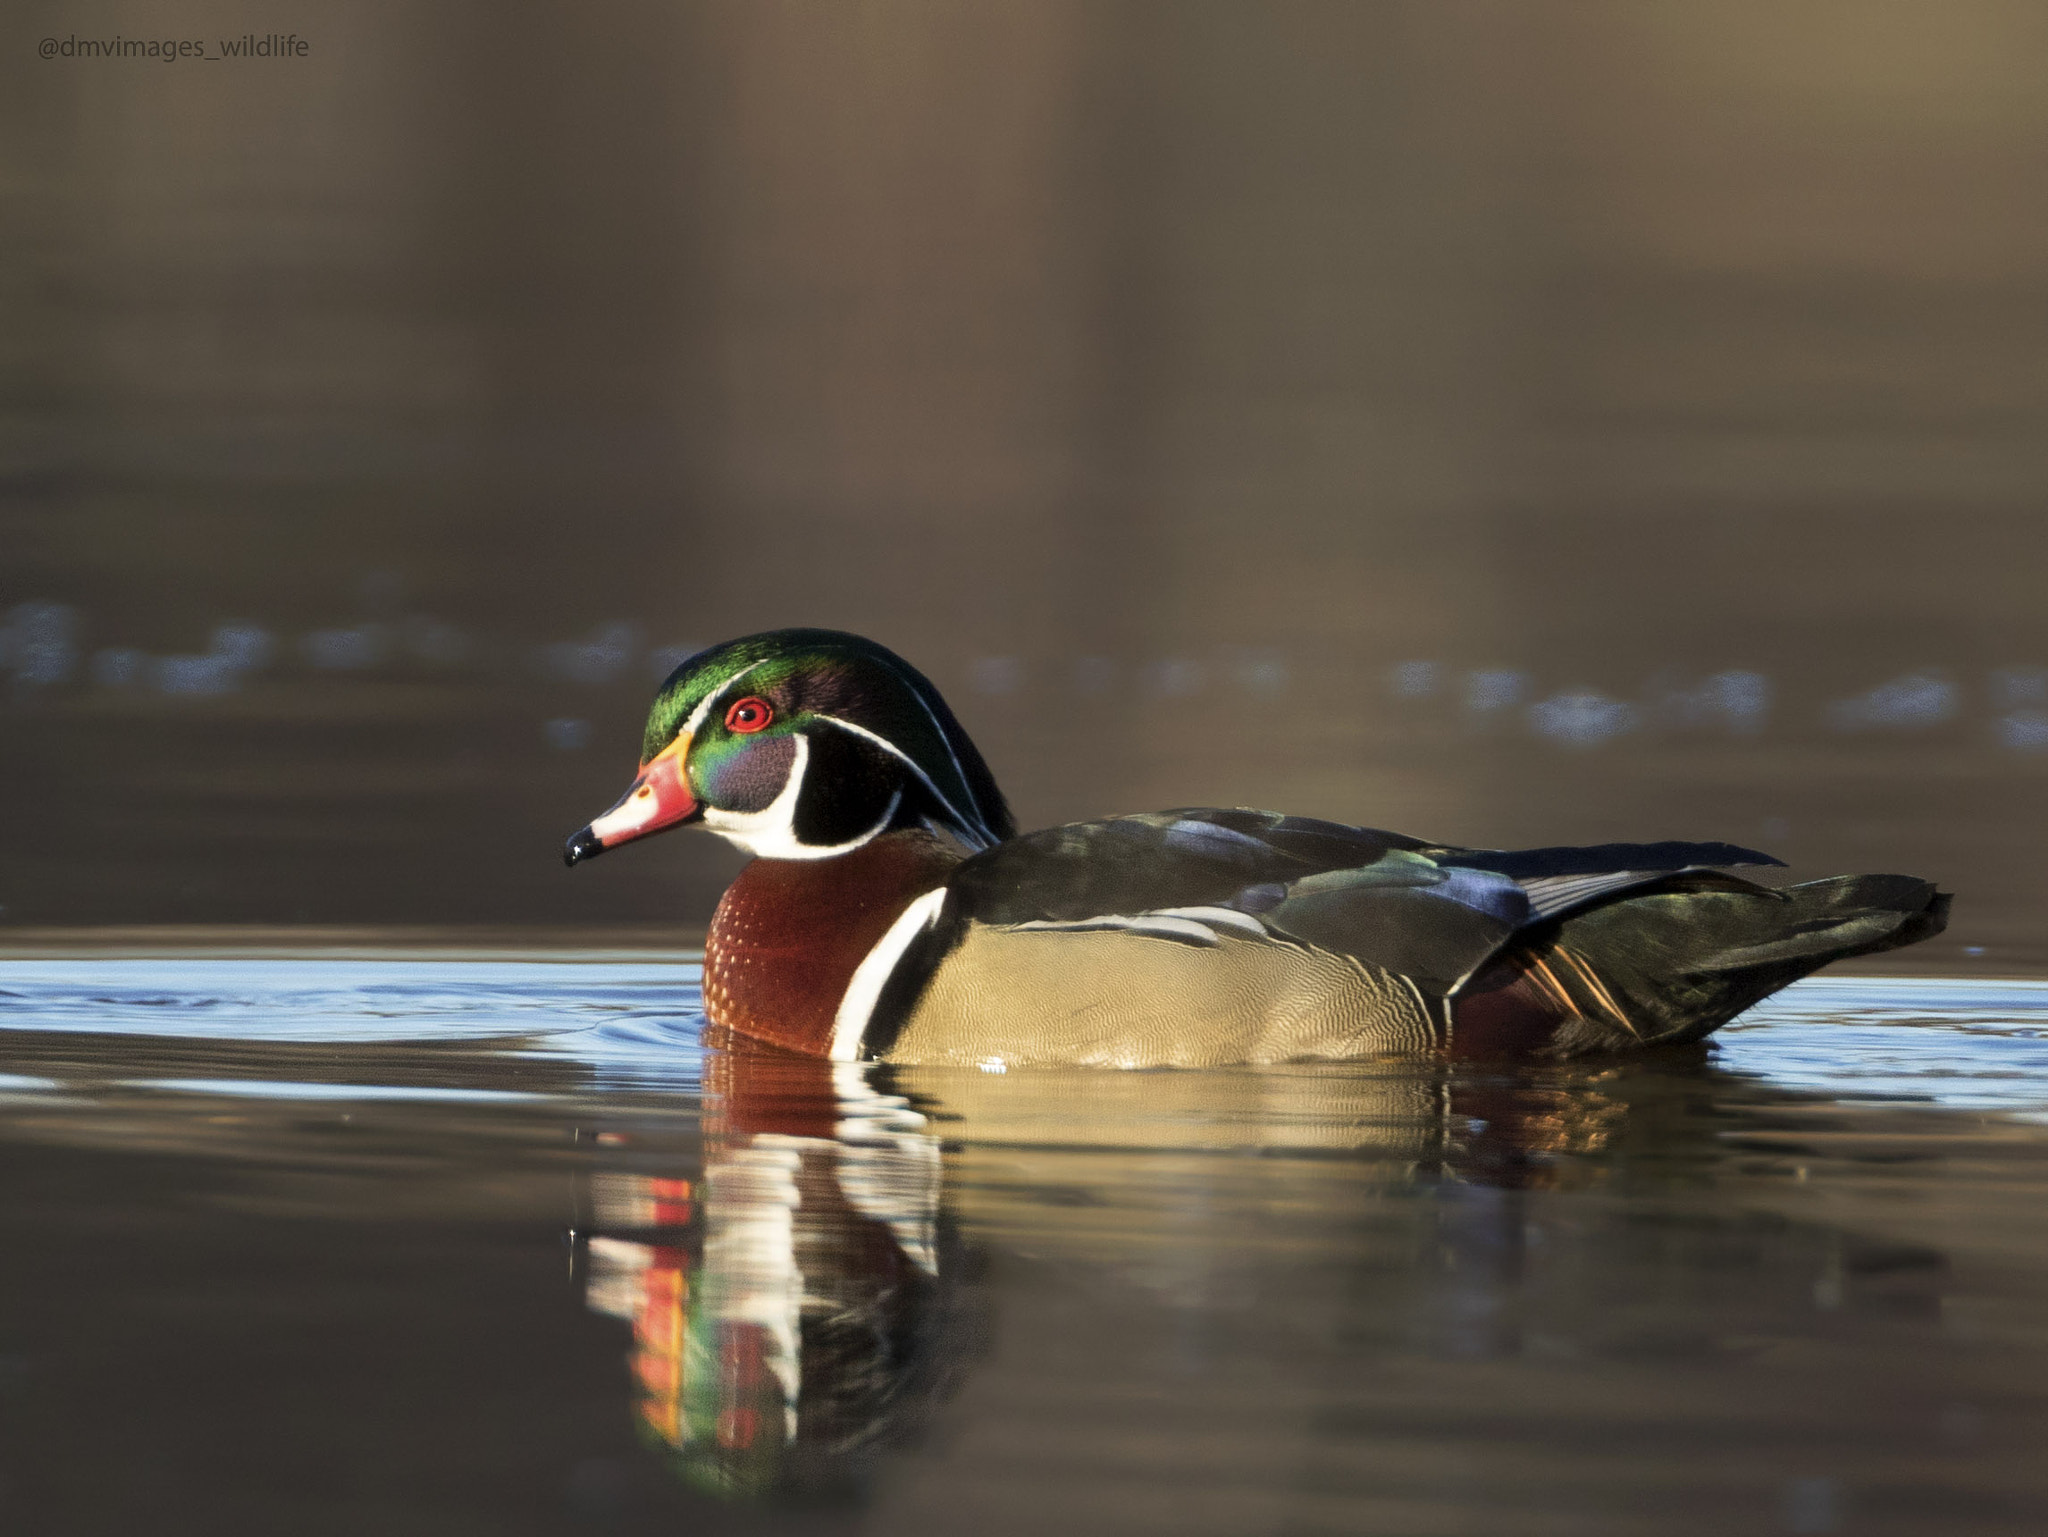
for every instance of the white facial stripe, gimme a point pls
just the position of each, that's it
(770, 833)
(874, 971)
(971, 825)
(959, 771)
(696, 720)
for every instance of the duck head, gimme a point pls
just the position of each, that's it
(802, 744)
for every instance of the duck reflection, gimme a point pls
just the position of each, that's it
(802, 1302)
(794, 1307)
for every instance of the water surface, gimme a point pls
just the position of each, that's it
(391, 1245)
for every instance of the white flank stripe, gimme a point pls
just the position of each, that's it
(1226, 917)
(872, 974)
(1184, 931)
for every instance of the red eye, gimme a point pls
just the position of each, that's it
(749, 714)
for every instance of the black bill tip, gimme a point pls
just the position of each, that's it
(582, 844)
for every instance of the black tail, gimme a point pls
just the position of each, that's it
(1671, 966)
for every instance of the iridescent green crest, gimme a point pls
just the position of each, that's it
(826, 678)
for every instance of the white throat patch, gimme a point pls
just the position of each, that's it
(770, 833)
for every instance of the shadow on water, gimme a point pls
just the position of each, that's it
(300, 1276)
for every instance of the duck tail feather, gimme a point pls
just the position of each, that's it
(1673, 966)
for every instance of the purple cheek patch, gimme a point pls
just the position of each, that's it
(752, 777)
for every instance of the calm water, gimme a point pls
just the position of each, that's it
(375, 1245)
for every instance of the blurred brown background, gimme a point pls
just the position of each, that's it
(1513, 423)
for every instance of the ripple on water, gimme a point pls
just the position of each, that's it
(1972, 1044)
(630, 1021)
(1975, 1044)
(1979, 1044)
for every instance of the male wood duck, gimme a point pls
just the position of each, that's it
(893, 912)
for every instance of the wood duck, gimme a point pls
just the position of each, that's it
(892, 911)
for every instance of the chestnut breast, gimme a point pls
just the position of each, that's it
(789, 933)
